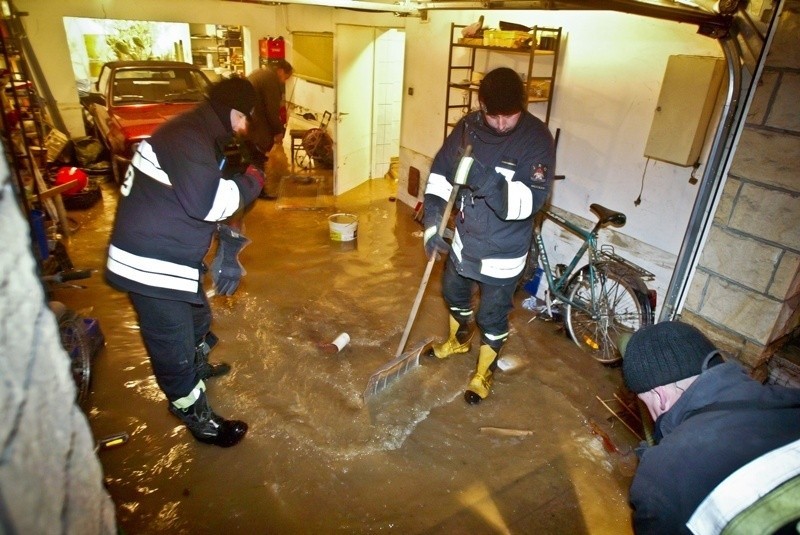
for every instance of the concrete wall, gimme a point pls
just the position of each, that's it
(50, 479)
(747, 286)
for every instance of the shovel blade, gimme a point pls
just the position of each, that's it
(394, 369)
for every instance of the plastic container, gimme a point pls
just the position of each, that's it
(506, 38)
(532, 286)
(343, 227)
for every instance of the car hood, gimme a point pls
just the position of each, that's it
(138, 121)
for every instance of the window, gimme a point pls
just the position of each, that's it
(312, 56)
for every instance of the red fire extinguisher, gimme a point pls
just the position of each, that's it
(271, 48)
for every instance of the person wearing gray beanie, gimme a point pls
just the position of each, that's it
(711, 419)
(664, 353)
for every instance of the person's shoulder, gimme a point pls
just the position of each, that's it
(188, 127)
(257, 74)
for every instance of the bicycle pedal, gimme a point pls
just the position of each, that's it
(112, 441)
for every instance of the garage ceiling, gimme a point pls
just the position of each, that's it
(712, 17)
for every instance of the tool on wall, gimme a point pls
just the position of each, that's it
(31, 122)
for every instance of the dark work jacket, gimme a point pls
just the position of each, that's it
(700, 449)
(170, 202)
(508, 183)
(265, 122)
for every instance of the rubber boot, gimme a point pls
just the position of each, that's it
(481, 382)
(457, 342)
(205, 369)
(208, 427)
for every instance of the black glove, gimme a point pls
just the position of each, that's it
(434, 244)
(226, 270)
(253, 154)
(486, 184)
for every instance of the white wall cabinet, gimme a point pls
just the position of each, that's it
(685, 106)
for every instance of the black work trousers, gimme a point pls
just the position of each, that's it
(171, 330)
(494, 305)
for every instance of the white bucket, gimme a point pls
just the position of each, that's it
(343, 227)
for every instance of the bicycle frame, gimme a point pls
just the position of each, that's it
(603, 301)
(558, 283)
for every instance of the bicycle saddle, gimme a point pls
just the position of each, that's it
(608, 216)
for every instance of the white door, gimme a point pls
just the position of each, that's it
(387, 102)
(355, 58)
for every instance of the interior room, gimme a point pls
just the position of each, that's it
(679, 119)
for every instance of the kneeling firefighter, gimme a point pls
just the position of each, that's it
(509, 181)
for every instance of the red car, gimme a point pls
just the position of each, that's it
(132, 98)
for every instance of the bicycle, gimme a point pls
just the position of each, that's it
(75, 339)
(604, 301)
(316, 147)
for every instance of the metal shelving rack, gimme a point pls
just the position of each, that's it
(461, 84)
(32, 126)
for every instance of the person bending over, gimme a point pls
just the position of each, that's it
(174, 199)
(711, 418)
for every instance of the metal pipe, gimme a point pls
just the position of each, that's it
(710, 189)
(404, 8)
(720, 159)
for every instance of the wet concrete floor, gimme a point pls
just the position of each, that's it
(416, 459)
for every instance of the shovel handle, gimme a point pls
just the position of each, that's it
(466, 160)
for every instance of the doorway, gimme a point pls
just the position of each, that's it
(369, 94)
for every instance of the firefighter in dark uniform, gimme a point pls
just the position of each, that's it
(509, 181)
(173, 201)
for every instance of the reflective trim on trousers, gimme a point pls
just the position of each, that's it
(187, 401)
(495, 303)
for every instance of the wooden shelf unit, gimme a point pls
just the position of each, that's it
(539, 76)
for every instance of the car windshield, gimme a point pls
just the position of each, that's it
(157, 85)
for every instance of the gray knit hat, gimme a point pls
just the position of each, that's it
(663, 353)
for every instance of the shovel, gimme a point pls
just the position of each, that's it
(402, 363)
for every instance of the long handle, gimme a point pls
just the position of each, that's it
(460, 179)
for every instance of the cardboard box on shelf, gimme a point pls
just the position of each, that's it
(507, 38)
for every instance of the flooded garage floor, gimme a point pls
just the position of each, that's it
(540, 455)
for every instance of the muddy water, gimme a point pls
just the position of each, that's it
(316, 458)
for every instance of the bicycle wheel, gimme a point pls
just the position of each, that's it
(302, 160)
(76, 344)
(620, 307)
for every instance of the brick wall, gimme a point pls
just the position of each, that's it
(50, 479)
(747, 286)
